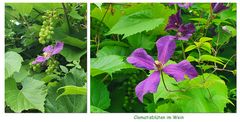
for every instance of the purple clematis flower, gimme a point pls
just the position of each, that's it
(166, 46)
(49, 51)
(184, 31)
(218, 7)
(174, 22)
(182, 5)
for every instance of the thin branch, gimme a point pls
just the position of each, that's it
(165, 86)
(97, 35)
(66, 15)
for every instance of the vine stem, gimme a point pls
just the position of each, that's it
(97, 35)
(66, 15)
(183, 50)
(165, 86)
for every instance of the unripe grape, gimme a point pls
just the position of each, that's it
(47, 28)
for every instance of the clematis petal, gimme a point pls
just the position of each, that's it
(39, 59)
(48, 49)
(186, 31)
(165, 46)
(57, 48)
(185, 5)
(218, 7)
(174, 21)
(149, 85)
(180, 70)
(141, 59)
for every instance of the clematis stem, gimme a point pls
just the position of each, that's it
(183, 50)
(165, 86)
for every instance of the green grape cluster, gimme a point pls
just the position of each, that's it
(52, 66)
(46, 31)
(130, 97)
(35, 67)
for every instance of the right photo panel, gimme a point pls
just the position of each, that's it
(163, 57)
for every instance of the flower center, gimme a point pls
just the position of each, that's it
(46, 54)
(158, 65)
(179, 34)
(176, 23)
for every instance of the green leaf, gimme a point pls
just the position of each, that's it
(207, 47)
(76, 42)
(207, 93)
(31, 96)
(141, 40)
(136, 23)
(74, 14)
(22, 74)
(22, 8)
(108, 42)
(76, 77)
(228, 14)
(222, 37)
(168, 108)
(231, 30)
(99, 94)
(211, 96)
(64, 69)
(95, 109)
(110, 19)
(65, 104)
(190, 47)
(107, 64)
(157, 11)
(72, 53)
(202, 20)
(72, 90)
(13, 63)
(162, 92)
(191, 59)
(112, 50)
(210, 58)
(204, 39)
(99, 5)
(68, 103)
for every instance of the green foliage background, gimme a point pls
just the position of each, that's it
(30, 90)
(119, 28)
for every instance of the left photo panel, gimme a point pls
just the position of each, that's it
(45, 57)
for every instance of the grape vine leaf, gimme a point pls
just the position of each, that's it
(22, 8)
(136, 23)
(112, 50)
(157, 10)
(108, 64)
(99, 94)
(95, 109)
(72, 53)
(74, 14)
(76, 77)
(110, 19)
(66, 103)
(24, 99)
(69, 103)
(168, 108)
(72, 90)
(210, 95)
(141, 40)
(13, 63)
